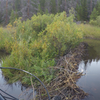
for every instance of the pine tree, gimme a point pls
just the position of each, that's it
(42, 5)
(13, 16)
(98, 7)
(17, 5)
(79, 12)
(82, 12)
(53, 6)
(46, 11)
(84, 9)
(94, 14)
(59, 2)
(39, 9)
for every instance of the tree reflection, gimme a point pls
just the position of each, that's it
(90, 56)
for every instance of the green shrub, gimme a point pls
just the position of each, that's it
(98, 21)
(6, 40)
(94, 14)
(90, 31)
(38, 41)
(95, 22)
(30, 29)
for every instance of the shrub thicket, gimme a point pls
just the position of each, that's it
(35, 43)
(95, 22)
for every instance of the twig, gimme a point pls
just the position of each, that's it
(33, 88)
(39, 94)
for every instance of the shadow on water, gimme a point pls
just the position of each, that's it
(90, 65)
(16, 89)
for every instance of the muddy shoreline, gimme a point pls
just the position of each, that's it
(67, 74)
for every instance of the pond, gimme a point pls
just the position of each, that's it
(90, 66)
(16, 89)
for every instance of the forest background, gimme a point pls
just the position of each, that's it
(13, 9)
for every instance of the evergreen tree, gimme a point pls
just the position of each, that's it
(46, 11)
(42, 5)
(98, 7)
(94, 14)
(39, 9)
(53, 6)
(59, 2)
(13, 16)
(17, 5)
(82, 11)
(79, 12)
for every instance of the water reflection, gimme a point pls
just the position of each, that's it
(90, 65)
(16, 89)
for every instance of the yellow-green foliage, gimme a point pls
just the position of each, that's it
(90, 31)
(30, 29)
(95, 22)
(38, 41)
(60, 35)
(6, 38)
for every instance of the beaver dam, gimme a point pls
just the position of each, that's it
(64, 85)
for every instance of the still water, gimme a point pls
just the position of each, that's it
(16, 89)
(90, 66)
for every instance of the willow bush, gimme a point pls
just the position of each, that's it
(6, 39)
(95, 22)
(38, 41)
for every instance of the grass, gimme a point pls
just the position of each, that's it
(90, 31)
